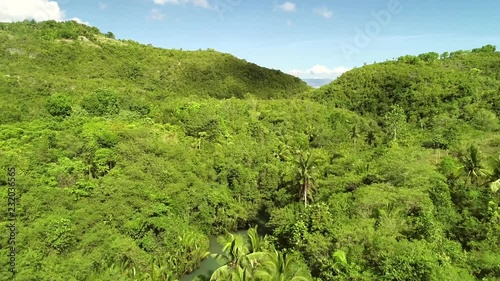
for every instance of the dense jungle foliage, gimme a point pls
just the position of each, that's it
(128, 157)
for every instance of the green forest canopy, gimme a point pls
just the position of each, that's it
(129, 156)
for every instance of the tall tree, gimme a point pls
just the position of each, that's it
(472, 168)
(282, 267)
(306, 176)
(354, 134)
(234, 250)
(395, 121)
(242, 257)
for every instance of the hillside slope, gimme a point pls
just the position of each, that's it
(457, 83)
(39, 59)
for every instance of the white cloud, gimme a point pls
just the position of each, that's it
(199, 3)
(80, 21)
(324, 12)
(155, 14)
(38, 10)
(319, 71)
(288, 7)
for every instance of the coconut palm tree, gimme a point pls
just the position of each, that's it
(354, 134)
(234, 250)
(472, 167)
(371, 138)
(281, 267)
(242, 258)
(192, 250)
(256, 243)
(249, 260)
(306, 165)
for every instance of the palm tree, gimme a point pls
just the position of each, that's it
(247, 260)
(306, 164)
(160, 271)
(257, 247)
(256, 243)
(240, 274)
(242, 258)
(371, 138)
(390, 217)
(354, 134)
(193, 251)
(234, 249)
(282, 267)
(471, 165)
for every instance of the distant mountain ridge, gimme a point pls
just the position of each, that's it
(317, 82)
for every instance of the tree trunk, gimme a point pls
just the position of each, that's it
(305, 193)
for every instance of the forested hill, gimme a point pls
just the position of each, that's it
(37, 59)
(460, 83)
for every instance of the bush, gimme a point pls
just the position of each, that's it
(102, 102)
(485, 120)
(58, 105)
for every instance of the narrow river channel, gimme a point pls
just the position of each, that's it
(209, 265)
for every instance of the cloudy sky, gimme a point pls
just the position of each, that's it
(306, 38)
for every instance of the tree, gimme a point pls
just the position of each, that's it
(58, 105)
(472, 167)
(102, 102)
(256, 243)
(371, 138)
(104, 160)
(242, 257)
(395, 121)
(354, 134)
(429, 57)
(59, 234)
(234, 249)
(306, 165)
(485, 49)
(282, 267)
(110, 35)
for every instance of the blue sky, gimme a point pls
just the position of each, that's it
(307, 38)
